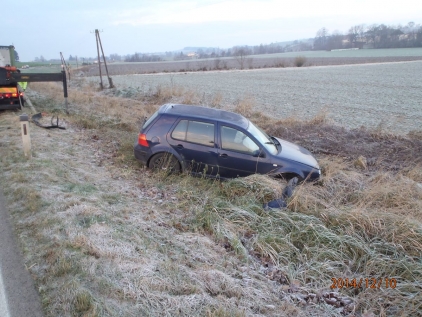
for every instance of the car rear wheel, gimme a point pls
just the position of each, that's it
(164, 162)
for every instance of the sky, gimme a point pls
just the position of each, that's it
(47, 27)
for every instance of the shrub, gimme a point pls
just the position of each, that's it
(300, 61)
(280, 63)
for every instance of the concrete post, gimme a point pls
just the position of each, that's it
(26, 139)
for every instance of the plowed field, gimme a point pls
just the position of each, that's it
(381, 95)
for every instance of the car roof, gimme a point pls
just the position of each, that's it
(200, 112)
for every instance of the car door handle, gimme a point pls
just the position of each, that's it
(179, 146)
(224, 155)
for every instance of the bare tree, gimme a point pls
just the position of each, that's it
(412, 31)
(335, 41)
(241, 53)
(362, 29)
(371, 34)
(217, 62)
(249, 61)
(321, 38)
(355, 33)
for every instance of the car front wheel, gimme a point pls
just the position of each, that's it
(165, 162)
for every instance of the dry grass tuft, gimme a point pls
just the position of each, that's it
(260, 188)
(83, 305)
(216, 100)
(245, 106)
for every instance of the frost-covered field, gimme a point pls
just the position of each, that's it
(378, 53)
(387, 95)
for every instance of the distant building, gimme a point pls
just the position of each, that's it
(193, 55)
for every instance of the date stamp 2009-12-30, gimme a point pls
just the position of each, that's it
(374, 283)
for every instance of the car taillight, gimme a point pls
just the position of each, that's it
(142, 140)
(21, 94)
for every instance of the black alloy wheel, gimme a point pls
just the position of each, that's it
(164, 162)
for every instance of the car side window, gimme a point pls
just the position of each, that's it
(195, 132)
(235, 140)
(200, 132)
(179, 132)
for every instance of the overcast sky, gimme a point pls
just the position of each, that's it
(48, 27)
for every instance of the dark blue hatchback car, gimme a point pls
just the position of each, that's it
(218, 143)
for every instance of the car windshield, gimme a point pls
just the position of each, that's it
(262, 137)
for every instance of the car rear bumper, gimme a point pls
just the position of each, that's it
(141, 153)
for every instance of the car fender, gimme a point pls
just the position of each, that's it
(289, 170)
(165, 149)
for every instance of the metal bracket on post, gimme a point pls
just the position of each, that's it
(26, 139)
(43, 77)
(65, 91)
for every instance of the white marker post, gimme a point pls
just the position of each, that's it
(26, 139)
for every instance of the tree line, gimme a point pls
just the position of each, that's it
(358, 36)
(139, 57)
(372, 36)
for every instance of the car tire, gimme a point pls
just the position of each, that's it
(164, 162)
(289, 176)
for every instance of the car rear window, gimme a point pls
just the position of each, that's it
(195, 132)
(148, 122)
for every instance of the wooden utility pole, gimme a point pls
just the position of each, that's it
(99, 45)
(64, 65)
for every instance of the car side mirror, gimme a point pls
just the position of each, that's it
(258, 153)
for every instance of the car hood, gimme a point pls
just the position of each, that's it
(296, 153)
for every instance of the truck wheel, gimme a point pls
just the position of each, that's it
(164, 162)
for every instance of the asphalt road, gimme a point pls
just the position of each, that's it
(18, 296)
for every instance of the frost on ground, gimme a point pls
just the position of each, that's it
(103, 236)
(387, 96)
(104, 241)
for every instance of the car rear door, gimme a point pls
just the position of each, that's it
(239, 154)
(194, 141)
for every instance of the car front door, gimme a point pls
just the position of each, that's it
(194, 140)
(239, 155)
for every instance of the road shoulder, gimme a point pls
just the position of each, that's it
(22, 299)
